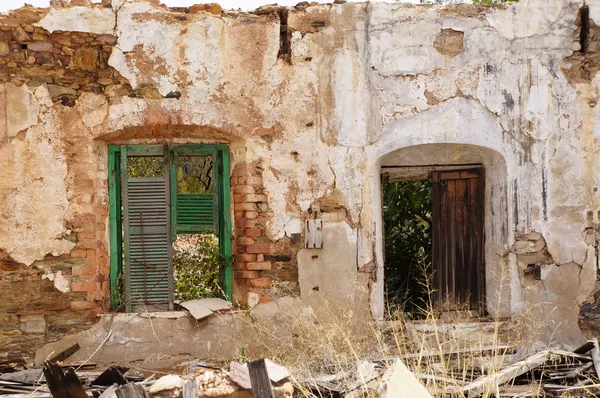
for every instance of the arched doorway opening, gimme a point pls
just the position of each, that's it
(444, 218)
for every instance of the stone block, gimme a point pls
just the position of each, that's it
(40, 46)
(86, 58)
(33, 324)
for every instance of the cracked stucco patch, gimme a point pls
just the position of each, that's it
(33, 199)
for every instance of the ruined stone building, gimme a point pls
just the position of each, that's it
(302, 111)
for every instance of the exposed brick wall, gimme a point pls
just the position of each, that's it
(263, 269)
(251, 244)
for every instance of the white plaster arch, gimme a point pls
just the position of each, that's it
(457, 131)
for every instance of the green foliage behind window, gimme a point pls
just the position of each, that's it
(407, 221)
(196, 262)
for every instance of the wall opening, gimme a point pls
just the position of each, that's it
(468, 227)
(168, 220)
(434, 238)
(407, 211)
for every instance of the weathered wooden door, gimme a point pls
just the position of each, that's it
(458, 239)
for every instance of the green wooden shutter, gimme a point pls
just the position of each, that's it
(147, 237)
(196, 213)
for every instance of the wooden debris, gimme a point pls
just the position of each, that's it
(259, 379)
(131, 390)
(66, 353)
(190, 389)
(112, 375)
(584, 349)
(62, 384)
(595, 353)
(27, 376)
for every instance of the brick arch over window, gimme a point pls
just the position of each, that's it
(449, 156)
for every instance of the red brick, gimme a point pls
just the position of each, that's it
(253, 232)
(255, 198)
(246, 274)
(265, 299)
(246, 206)
(245, 257)
(260, 258)
(84, 287)
(254, 180)
(101, 261)
(90, 261)
(244, 241)
(238, 214)
(91, 314)
(78, 253)
(84, 270)
(239, 265)
(81, 305)
(251, 215)
(238, 198)
(233, 181)
(260, 282)
(95, 295)
(244, 189)
(258, 248)
(256, 266)
(249, 223)
(240, 249)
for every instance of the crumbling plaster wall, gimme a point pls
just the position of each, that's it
(309, 115)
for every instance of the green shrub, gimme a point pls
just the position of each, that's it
(196, 262)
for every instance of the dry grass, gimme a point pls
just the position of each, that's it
(337, 341)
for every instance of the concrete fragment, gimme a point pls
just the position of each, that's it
(21, 109)
(167, 382)
(203, 308)
(399, 382)
(240, 375)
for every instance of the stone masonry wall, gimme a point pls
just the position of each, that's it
(312, 100)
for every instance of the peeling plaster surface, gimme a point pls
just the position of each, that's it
(367, 87)
(80, 19)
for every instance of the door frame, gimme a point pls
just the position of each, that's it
(421, 172)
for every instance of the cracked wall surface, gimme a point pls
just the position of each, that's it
(310, 117)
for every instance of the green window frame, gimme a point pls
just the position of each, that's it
(189, 213)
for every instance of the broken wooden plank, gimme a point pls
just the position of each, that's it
(112, 375)
(595, 353)
(490, 382)
(131, 390)
(259, 379)
(28, 376)
(447, 380)
(66, 353)
(584, 349)
(62, 384)
(488, 350)
(190, 389)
